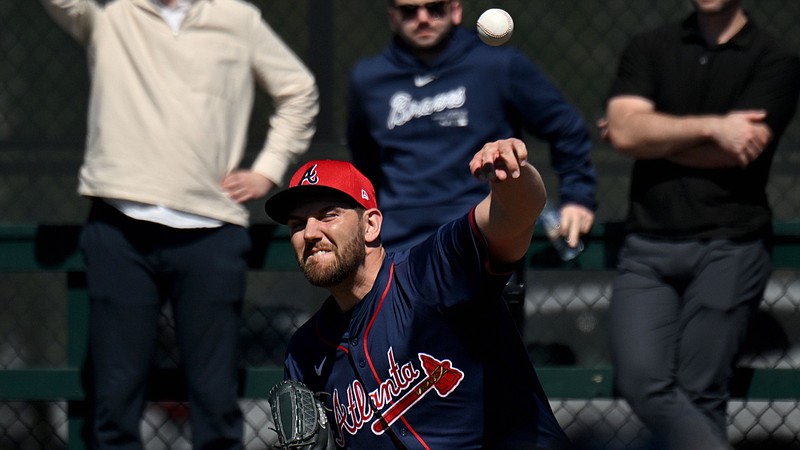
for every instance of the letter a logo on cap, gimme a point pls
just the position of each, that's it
(316, 177)
(310, 176)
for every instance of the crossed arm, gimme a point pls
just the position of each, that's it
(636, 129)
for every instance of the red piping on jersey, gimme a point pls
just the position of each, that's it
(488, 264)
(369, 358)
(372, 321)
(474, 224)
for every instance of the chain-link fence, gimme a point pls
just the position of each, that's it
(43, 99)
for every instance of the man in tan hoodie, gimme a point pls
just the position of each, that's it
(172, 91)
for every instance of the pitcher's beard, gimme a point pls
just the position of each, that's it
(347, 259)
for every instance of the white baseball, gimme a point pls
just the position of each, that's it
(495, 26)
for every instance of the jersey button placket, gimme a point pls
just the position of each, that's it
(361, 361)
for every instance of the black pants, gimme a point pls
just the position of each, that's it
(133, 267)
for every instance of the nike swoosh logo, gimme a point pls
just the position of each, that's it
(318, 369)
(422, 80)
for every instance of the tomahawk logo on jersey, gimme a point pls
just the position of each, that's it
(395, 395)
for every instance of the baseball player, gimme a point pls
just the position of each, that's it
(416, 348)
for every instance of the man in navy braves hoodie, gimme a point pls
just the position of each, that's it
(419, 110)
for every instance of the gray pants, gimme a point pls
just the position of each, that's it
(678, 317)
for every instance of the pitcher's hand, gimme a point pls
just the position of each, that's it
(499, 160)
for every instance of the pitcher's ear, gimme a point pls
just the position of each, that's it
(373, 220)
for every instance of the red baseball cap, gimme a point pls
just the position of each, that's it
(319, 176)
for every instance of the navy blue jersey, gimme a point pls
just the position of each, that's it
(412, 129)
(430, 356)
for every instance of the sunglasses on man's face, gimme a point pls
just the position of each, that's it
(435, 10)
